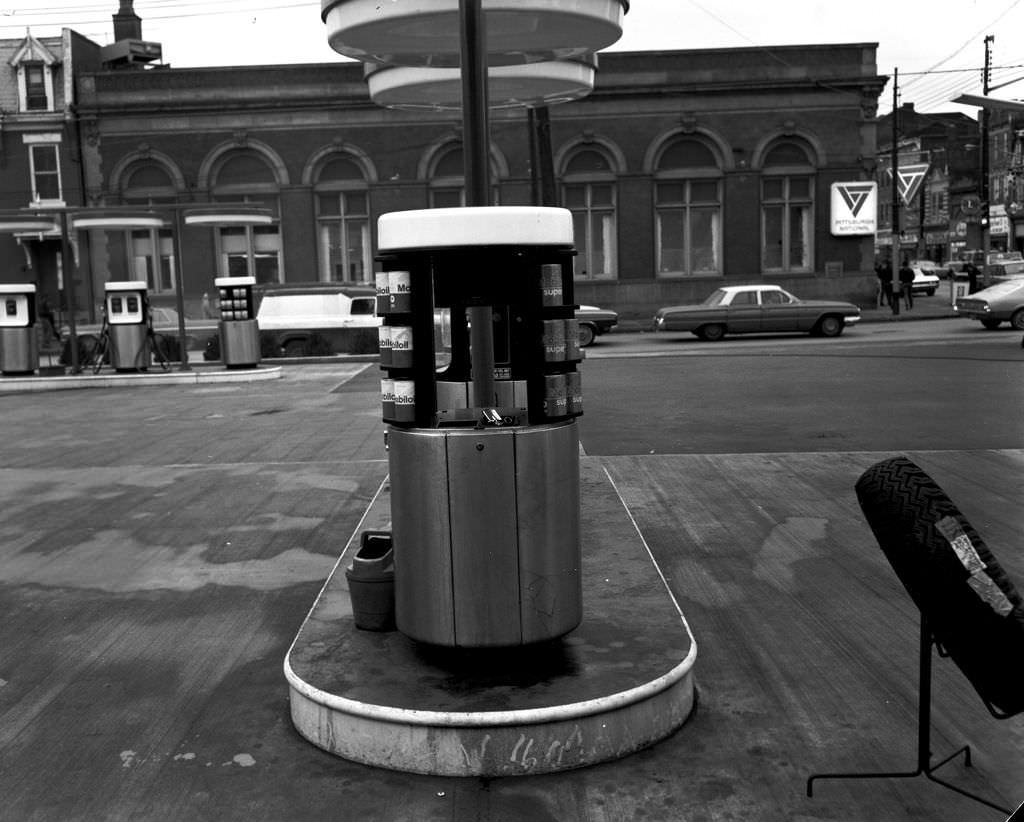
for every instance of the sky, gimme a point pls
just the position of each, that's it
(937, 47)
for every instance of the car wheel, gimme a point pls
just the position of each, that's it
(586, 335)
(711, 333)
(294, 348)
(829, 326)
(930, 292)
(991, 325)
(1017, 320)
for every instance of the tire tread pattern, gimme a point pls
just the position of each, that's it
(904, 508)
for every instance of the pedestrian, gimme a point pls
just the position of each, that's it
(972, 278)
(884, 271)
(206, 307)
(45, 312)
(907, 284)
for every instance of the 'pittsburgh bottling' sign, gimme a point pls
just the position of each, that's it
(854, 208)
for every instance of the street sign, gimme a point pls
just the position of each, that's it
(909, 179)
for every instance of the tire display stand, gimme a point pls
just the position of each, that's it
(970, 610)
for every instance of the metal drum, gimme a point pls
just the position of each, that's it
(509, 573)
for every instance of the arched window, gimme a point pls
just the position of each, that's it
(343, 221)
(150, 251)
(787, 208)
(688, 208)
(245, 176)
(447, 178)
(589, 192)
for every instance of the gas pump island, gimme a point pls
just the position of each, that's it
(515, 653)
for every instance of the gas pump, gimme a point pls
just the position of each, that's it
(239, 331)
(19, 347)
(480, 394)
(127, 320)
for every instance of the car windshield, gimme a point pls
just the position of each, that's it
(715, 297)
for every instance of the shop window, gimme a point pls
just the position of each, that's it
(688, 210)
(787, 209)
(589, 192)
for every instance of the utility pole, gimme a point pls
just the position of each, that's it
(895, 187)
(986, 236)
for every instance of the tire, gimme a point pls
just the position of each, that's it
(829, 326)
(1017, 319)
(973, 609)
(586, 335)
(294, 348)
(991, 325)
(711, 333)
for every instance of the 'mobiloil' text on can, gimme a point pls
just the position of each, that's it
(405, 401)
(383, 293)
(400, 290)
(401, 346)
(387, 398)
(384, 343)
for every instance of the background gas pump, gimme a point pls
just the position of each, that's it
(19, 347)
(239, 331)
(127, 319)
(480, 393)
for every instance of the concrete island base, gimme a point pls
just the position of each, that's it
(619, 682)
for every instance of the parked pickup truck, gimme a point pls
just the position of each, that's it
(312, 319)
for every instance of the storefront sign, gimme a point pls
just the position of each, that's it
(854, 208)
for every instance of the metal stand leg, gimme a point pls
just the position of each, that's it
(924, 754)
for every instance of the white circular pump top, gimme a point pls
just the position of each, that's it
(126, 285)
(427, 32)
(17, 288)
(231, 282)
(476, 226)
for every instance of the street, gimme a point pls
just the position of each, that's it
(941, 384)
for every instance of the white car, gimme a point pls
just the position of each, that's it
(926, 276)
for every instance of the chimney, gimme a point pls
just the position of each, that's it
(127, 24)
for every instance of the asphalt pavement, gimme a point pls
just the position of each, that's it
(162, 545)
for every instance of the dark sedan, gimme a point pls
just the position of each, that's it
(756, 309)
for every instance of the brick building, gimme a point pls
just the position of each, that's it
(683, 170)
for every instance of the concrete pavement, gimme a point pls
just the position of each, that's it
(161, 548)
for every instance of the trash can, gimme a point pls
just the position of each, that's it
(19, 347)
(371, 582)
(239, 331)
(959, 287)
(128, 324)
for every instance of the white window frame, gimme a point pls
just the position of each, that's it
(23, 87)
(342, 222)
(42, 142)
